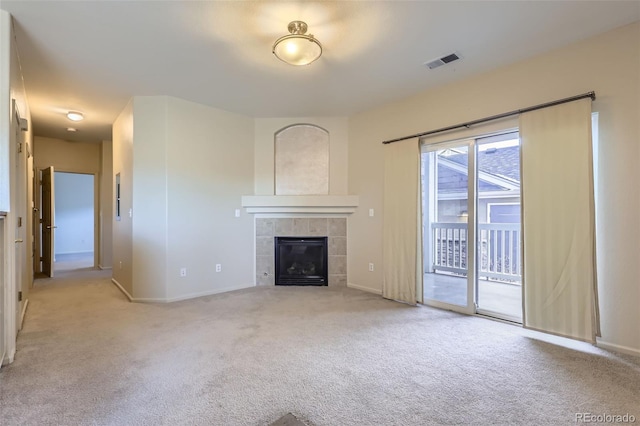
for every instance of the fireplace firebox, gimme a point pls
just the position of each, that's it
(301, 261)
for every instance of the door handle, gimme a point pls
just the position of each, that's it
(18, 240)
(51, 227)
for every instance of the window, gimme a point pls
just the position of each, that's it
(503, 212)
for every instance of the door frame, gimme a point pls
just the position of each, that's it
(21, 238)
(38, 210)
(470, 141)
(12, 270)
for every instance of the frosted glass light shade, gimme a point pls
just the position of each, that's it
(297, 48)
(75, 116)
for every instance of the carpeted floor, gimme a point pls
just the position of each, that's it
(328, 356)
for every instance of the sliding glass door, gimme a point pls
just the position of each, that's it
(446, 192)
(471, 226)
(499, 241)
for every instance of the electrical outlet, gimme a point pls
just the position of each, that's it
(218, 267)
(371, 267)
(183, 272)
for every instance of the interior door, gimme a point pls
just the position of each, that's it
(48, 220)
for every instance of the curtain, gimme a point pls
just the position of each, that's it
(559, 220)
(402, 226)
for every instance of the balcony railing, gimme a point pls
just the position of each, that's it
(499, 254)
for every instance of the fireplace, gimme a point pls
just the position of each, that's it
(301, 261)
(333, 228)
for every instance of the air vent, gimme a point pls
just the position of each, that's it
(442, 61)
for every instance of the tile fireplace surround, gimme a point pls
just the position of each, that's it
(335, 228)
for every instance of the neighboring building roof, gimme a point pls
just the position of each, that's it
(501, 163)
(450, 180)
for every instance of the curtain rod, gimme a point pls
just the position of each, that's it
(468, 124)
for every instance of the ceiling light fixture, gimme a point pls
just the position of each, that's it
(297, 48)
(75, 116)
(71, 129)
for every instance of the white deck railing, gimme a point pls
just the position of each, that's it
(500, 257)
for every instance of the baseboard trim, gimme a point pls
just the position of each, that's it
(617, 348)
(105, 268)
(367, 289)
(149, 300)
(23, 313)
(210, 292)
(179, 298)
(191, 295)
(125, 292)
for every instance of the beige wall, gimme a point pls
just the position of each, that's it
(265, 130)
(608, 64)
(209, 167)
(122, 229)
(106, 204)
(150, 198)
(65, 156)
(184, 168)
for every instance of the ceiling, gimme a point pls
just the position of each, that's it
(92, 56)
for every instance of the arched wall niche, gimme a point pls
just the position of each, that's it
(301, 160)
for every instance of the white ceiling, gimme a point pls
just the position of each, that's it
(92, 56)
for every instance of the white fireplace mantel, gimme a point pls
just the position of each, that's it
(300, 204)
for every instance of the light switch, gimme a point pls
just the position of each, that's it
(371, 212)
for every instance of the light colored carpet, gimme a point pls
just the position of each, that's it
(328, 356)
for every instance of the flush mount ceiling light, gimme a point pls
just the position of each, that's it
(71, 129)
(75, 116)
(297, 48)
